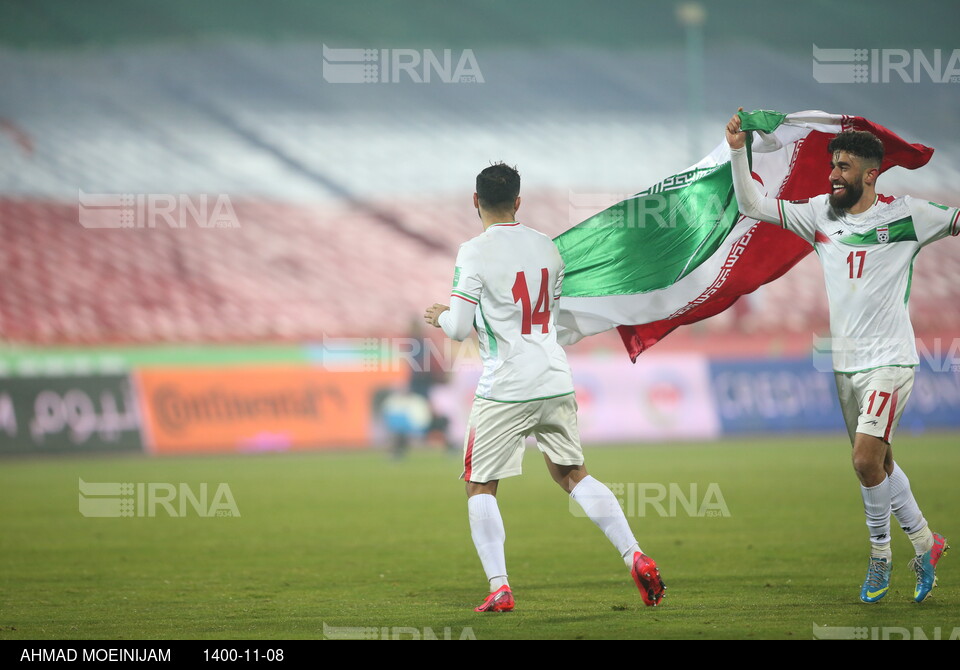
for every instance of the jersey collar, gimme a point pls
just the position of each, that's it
(856, 217)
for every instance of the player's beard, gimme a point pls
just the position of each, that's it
(851, 195)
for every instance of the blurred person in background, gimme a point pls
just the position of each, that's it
(426, 373)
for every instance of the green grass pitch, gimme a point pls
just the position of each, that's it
(332, 540)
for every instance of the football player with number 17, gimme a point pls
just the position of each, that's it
(866, 244)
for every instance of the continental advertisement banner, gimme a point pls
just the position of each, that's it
(68, 414)
(251, 409)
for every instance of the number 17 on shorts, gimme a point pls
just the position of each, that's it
(873, 401)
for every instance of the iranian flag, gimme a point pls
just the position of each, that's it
(681, 252)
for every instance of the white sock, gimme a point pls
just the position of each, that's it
(907, 511)
(922, 540)
(486, 528)
(599, 503)
(881, 551)
(876, 507)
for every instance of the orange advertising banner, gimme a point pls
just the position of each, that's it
(258, 408)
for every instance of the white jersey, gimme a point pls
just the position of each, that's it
(867, 262)
(506, 286)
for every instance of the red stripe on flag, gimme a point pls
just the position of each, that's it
(896, 150)
(468, 456)
(893, 414)
(749, 265)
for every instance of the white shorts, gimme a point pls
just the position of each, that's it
(873, 401)
(494, 444)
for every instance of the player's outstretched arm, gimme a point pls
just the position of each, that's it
(797, 217)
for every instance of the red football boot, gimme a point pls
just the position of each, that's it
(646, 575)
(500, 600)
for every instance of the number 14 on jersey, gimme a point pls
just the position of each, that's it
(540, 315)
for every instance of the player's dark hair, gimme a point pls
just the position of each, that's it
(498, 187)
(860, 143)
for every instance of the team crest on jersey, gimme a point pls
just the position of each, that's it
(883, 234)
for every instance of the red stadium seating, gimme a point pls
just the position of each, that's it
(299, 272)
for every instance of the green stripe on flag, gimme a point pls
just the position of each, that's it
(761, 119)
(680, 223)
